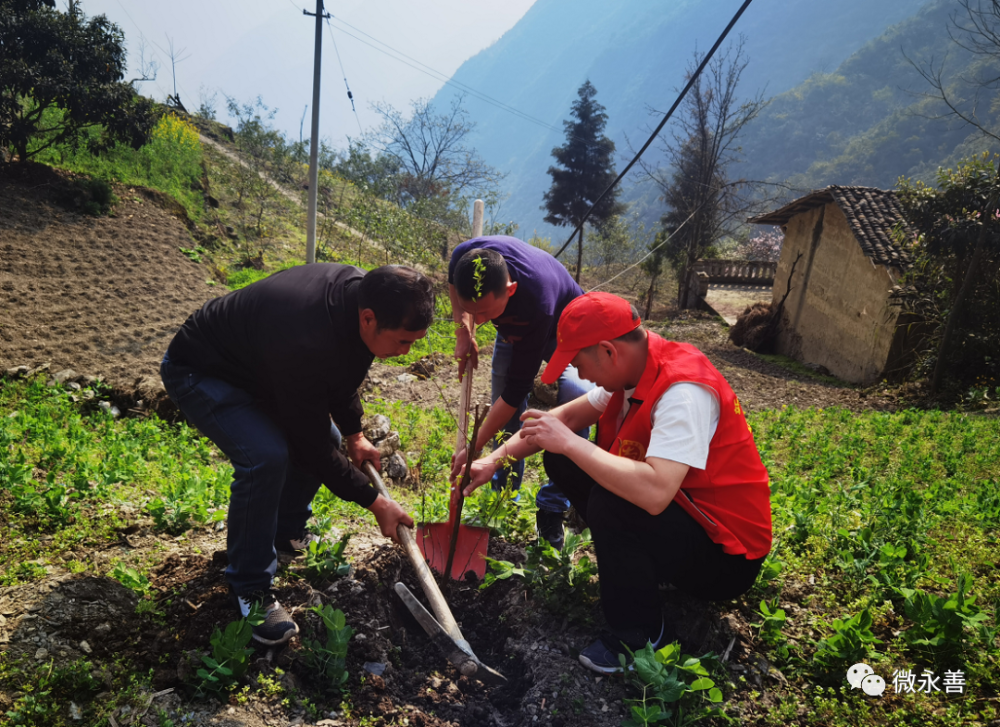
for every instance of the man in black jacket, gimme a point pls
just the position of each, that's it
(261, 372)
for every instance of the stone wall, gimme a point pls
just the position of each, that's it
(837, 314)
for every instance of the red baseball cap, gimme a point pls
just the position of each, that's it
(586, 321)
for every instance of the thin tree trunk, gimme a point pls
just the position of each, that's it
(963, 293)
(682, 279)
(649, 297)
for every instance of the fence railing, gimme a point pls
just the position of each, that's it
(726, 272)
(745, 272)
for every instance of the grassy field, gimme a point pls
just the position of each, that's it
(885, 524)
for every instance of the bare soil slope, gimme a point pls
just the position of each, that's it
(100, 295)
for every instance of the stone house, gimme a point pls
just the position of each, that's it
(846, 262)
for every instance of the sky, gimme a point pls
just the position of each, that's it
(264, 48)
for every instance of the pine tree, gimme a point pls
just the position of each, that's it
(585, 169)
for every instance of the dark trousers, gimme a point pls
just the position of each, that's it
(637, 551)
(270, 497)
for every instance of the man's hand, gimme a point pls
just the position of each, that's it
(482, 472)
(545, 431)
(390, 516)
(360, 450)
(466, 350)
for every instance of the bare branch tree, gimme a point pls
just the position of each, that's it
(975, 29)
(704, 202)
(176, 56)
(147, 68)
(430, 152)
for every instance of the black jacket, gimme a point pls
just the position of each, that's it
(291, 340)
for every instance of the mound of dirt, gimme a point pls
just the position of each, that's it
(100, 295)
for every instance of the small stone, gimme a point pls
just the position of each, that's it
(85, 647)
(75, 712)
(41, 654)
(395, 467)
(406, 378)
(377, 428)
(38, 369)
(61, 377)
(374, 667)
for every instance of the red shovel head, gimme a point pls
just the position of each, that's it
(434, 540)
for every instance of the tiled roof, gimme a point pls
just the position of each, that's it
(872, 214)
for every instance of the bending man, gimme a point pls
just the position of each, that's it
(522, 290)
(260, 372)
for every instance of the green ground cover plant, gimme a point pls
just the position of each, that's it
(564, 580)
(326, 561)
(329, 656)
(171, 161)
(230, 657)
(893, 515)
(675, 689)
(73, 473)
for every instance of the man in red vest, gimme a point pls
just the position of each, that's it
(673, 491)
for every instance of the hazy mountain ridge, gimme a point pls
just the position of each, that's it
(870, 121)
(635, 52)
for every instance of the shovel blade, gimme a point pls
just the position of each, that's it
(434, 540)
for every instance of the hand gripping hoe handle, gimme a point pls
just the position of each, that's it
(440, 626)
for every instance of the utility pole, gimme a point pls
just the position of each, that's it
(314, 144)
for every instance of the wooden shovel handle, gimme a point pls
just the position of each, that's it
(424, 576)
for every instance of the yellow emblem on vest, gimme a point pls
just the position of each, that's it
(632, 450)
(736, 404)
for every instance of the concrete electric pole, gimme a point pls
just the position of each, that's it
(314, 142)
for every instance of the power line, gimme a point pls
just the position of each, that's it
(449, 80)
(344, 73)
(641, 260)
(656, 131)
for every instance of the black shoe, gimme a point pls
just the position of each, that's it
(278, 627)
(550, 527)
(291, 548)
(602, 656)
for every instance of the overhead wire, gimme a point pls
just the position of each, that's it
(350, 95)
(643, 259)
(656, 131)
(144, 38)
(450, 81)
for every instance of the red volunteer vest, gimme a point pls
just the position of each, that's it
(730, 498)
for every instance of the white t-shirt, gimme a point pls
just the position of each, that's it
(684, 420)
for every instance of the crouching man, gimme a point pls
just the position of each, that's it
(673, 491)
(261, 372)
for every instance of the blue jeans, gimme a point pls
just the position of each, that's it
(269, 497)
(571, 386)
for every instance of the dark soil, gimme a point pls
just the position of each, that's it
(103, 296)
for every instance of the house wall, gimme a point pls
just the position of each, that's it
(836, 314)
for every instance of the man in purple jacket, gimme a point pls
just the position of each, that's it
(261, 372)
(523, 291)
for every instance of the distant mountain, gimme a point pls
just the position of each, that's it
(635, 52)
(871, 120)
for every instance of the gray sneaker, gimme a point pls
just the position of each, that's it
(291, 548)
(278, 626)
